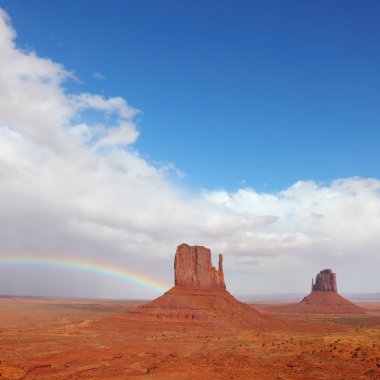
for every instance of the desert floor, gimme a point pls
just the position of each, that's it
(91, 339)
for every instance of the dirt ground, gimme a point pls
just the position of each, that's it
(92, 339)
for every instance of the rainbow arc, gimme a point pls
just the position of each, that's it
(86, 266)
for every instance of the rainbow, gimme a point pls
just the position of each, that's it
(86, 266)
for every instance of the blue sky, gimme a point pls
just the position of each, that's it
(266, 92)
(270, 109)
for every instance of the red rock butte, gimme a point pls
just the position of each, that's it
(193, 267)
(323, 299)
(200, 293)
(324, 282)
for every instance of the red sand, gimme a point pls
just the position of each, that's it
(66, 339)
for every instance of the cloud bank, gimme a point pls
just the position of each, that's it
(72, 185)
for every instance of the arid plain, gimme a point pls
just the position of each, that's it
(73, 339)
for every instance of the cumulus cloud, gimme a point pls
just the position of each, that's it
(318, 225)
(72, 185)
(342, 218)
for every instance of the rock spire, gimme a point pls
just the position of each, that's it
(193, 267)
(325, 282)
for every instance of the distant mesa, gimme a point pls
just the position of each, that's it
(199, 293)
(323, 299)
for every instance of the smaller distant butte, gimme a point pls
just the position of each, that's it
(323, 299)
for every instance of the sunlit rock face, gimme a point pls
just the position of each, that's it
(325, 282)
(193, 267)
(323, 298)
(199, 293)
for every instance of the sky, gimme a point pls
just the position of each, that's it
(252, 128)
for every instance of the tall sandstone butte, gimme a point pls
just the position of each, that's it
(199, 293)
(193, 267)
(325, 282)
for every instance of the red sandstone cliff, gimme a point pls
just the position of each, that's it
(325, 282)
(200, 293)
(193, 267)
(323, 299)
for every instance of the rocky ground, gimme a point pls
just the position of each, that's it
(84, 339)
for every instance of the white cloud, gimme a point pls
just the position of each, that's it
(70, 184)
(322, 225)
(98, 76)
(341, 218)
